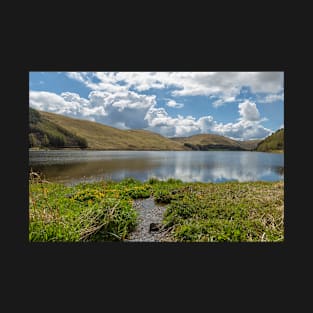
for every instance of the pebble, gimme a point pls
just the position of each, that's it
(149, 212)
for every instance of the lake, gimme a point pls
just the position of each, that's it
(74, 166)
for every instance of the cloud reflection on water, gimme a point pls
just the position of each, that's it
(205, 166)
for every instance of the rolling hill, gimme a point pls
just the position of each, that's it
(272, 143)
(96, 136)
(45, 133)
(50, 130)
(206, 142)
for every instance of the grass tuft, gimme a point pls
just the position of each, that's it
(196, 212)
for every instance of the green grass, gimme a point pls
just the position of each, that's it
(86, 212)
(273, 143)
(196, 212)
(233, 212)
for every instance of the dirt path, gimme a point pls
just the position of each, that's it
(149, 213)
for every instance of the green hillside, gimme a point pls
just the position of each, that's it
(50, 130)
(206, 142)
(272, 143)
(96, 135)
(45, 133)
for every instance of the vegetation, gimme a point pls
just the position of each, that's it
(205, 142)
(86, 212)
(212, 147)
(51, 130)
(196, 212)
(102, 137)
(273, 143)
(45, 133)
(233, 212)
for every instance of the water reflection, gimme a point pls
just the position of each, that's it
(223, 166)
(205, 166)
(115, 169)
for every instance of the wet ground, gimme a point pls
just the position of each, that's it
(149, 212)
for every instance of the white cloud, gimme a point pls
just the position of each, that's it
(242, 130)
(174, 104)
(76, 75)
(51, 102)
(132, 110)
(159, 121)
(120, 109)
(223, 100)
(225, 86)
(105, 81)
(248, 111)
(248, 126)
(111, 101)
(67, 103)
(74, 98)
(272, 98)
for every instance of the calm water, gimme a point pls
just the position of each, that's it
(206, 166)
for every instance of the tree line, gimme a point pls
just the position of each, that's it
(44, 133)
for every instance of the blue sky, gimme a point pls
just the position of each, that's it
(240, 105)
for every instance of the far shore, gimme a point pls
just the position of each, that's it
(86, 149)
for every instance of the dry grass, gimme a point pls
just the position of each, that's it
(102, 137)
(211, 139)
(252, 211)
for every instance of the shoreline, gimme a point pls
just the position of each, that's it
(147, 150)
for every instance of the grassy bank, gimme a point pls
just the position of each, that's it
(208, 212)
(276, 151)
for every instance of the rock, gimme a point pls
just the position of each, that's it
(154, 227)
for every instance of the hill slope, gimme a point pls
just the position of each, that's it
(274, 142)
(215, 142)
(45, 133)
(52, 130)
(102, 137)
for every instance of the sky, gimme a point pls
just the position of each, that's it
(239, 105)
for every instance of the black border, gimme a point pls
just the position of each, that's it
(225, 268)
(121, 248)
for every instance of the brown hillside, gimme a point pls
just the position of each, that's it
(209, 141)
(102, 137)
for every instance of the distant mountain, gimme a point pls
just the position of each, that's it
(206, 142)
(59, 129)
(272, 143)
